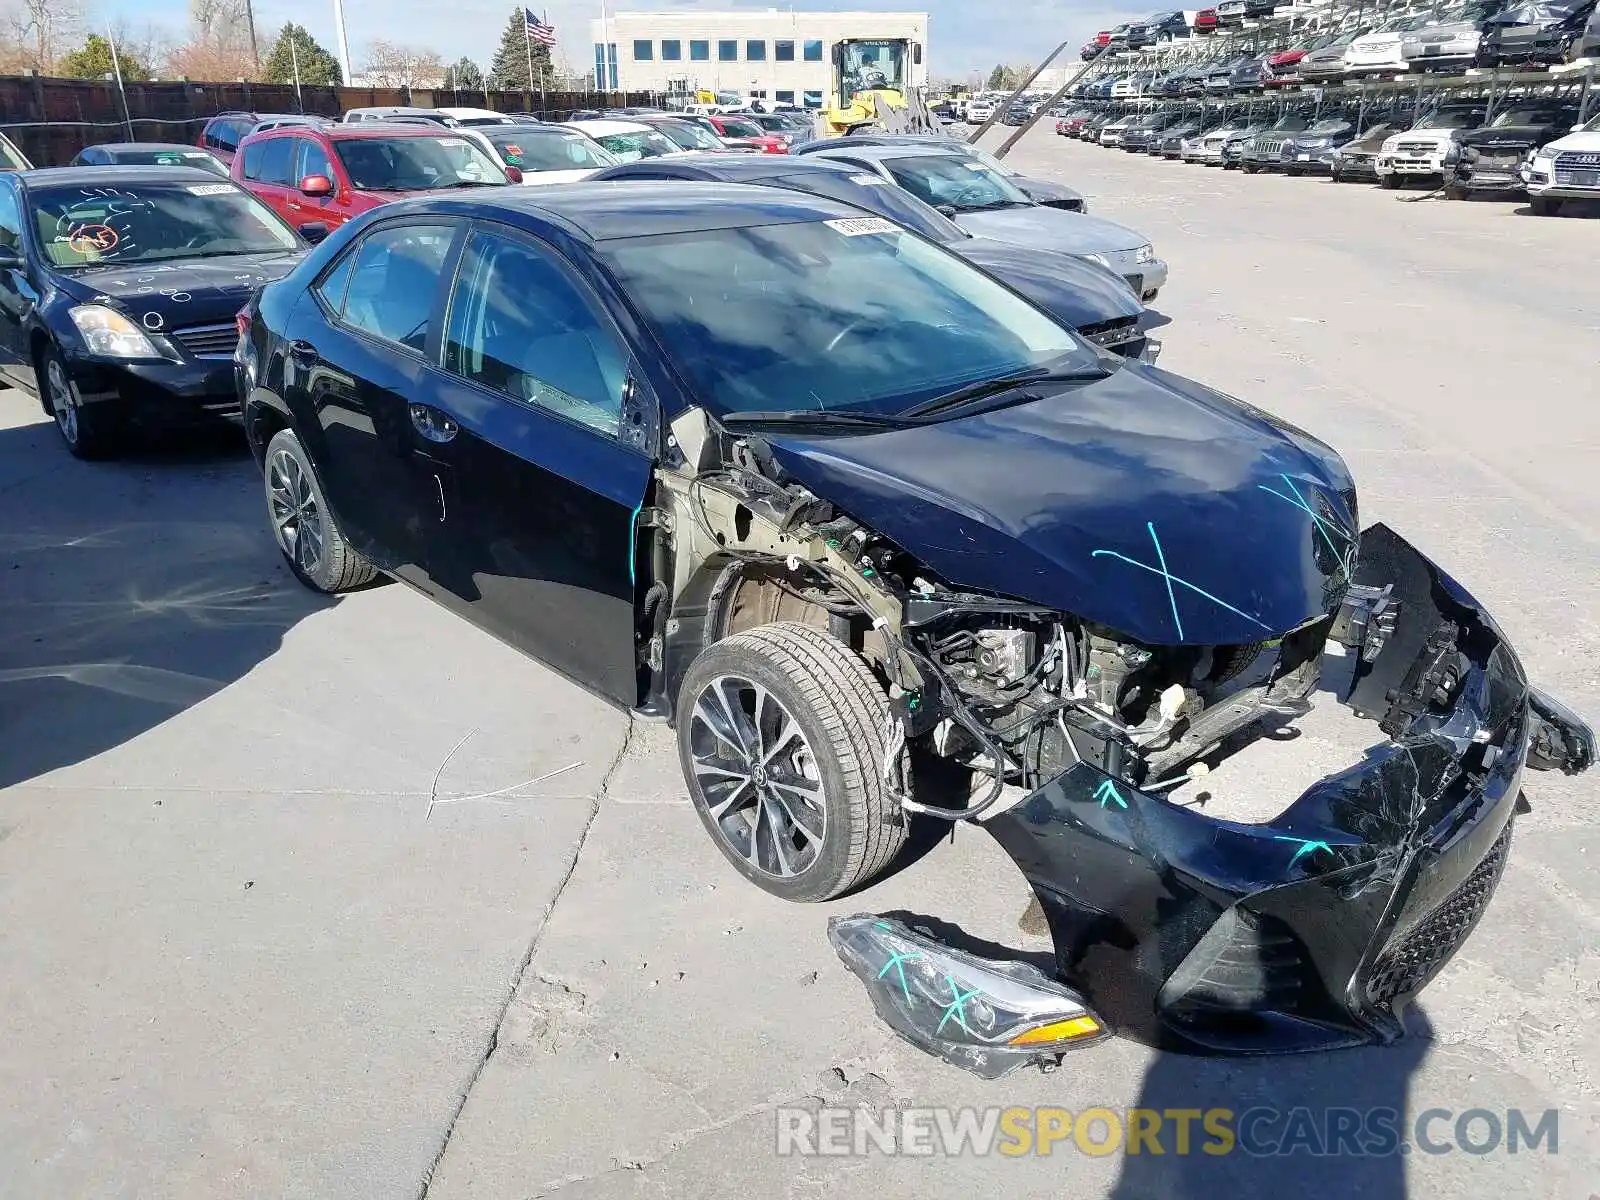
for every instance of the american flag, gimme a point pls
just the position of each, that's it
(539, 31)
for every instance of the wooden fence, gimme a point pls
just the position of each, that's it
(52, 119)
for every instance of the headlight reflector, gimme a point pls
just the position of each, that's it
(109, 333)
(1144, 254)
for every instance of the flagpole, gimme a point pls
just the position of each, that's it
(116, 69)
(527, 44)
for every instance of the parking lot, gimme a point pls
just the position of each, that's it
(345, 899)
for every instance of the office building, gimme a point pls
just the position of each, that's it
(777, 55)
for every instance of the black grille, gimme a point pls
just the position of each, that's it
(1251, 963)
(208, 341)
(1421, 149)
(1576, 160)
(1411, 961)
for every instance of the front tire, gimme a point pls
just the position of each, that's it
(88, 431)
(308, 537)
(1389, 182)
(780, 734)
(1544, 206)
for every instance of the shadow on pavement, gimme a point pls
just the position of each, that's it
(128, 590)
(1330, 1124)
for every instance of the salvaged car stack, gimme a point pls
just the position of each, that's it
(851, 466)
(1478, 97)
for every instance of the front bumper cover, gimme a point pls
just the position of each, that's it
(1315, 930)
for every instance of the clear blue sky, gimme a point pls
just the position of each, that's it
(964, 35)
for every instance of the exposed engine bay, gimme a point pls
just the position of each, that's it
(1312, 928)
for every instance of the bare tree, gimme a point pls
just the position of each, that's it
(393, 65)
(219, 42)
(34, 33)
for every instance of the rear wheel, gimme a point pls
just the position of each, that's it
(780, 734)
(305, 529)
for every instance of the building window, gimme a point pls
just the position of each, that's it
(783, 51)
(785, 97)
(671, 51)
(699, 51)
(600, 66)
(755, 51)
(612, 50)
(643, 51)
(813, 100)
(759, 94)
(813, 51)
(728, 51)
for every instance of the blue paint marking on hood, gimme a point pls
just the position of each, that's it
(1144, 502)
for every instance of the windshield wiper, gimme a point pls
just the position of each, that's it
(477, 183)
(842, 419)
(985, 388)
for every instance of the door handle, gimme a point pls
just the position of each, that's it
(432, 424)
(303, 352)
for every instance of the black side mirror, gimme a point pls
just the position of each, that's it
(314, 231)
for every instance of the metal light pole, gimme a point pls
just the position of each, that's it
(344, 42)
(250, 23)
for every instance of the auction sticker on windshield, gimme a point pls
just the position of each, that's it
(210, 189)
(858, 226)
(869, 181)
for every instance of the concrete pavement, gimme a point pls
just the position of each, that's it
(347, 900)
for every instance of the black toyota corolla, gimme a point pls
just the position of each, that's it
(837, 504)
(119, 293)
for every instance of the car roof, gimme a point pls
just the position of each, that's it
(174, 147)
(371, 129)
(625, 209)
(112, 176)
(881, 153)
(742, 168)
(603, 125)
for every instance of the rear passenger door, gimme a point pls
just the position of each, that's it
(268, 165)
(543, 435)
(359, 345)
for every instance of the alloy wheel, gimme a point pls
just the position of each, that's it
(296, 515)
(63, 400)
(757, 776)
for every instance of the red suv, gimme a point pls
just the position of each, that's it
(318, 178)
(739, 132)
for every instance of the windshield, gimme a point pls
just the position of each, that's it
(169, 158)
(873, 66)
(414, 164)
(144, 222)
(986, 158)
(1450, 120)
(962, 183)
(548, 151)
(1291, 124)
(739, 127)
(1529, 14)
(688, 136)
(1530, 116)
(1329, 125)
(632, 146)
(880, 196)
(10, 157)
(830, 315)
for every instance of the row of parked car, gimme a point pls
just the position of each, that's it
(1435, 37)
(136, 257)
(1529, 145)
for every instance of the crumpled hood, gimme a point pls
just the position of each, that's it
(1143, 502)
(1506, 137)
(1070, 289)
(1044, 190)
(1051, 228)
(178, 293)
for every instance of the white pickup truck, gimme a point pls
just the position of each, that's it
(1565, 169)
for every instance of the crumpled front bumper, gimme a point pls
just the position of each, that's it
(1315, 930)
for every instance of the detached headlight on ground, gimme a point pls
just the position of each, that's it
(986, 1015)
(107, 332)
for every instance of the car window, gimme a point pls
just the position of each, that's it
(520, 325)
(394, 281)
(313, 160)
(541, 151)
(163, 157)
(404, 164)
(10, 219)
(149, 221)
(225, 134)
(332, 286)
(631, 147)
(275, 163)
(961, 183)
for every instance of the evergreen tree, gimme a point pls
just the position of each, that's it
(465, 75)
(997, 78)
(93, 60)
(318, 67)
(509, 70)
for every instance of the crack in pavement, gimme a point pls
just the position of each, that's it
(523, 966)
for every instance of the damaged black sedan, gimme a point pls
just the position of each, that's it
(844, 509)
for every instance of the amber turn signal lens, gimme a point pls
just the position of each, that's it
(1057, 1031)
